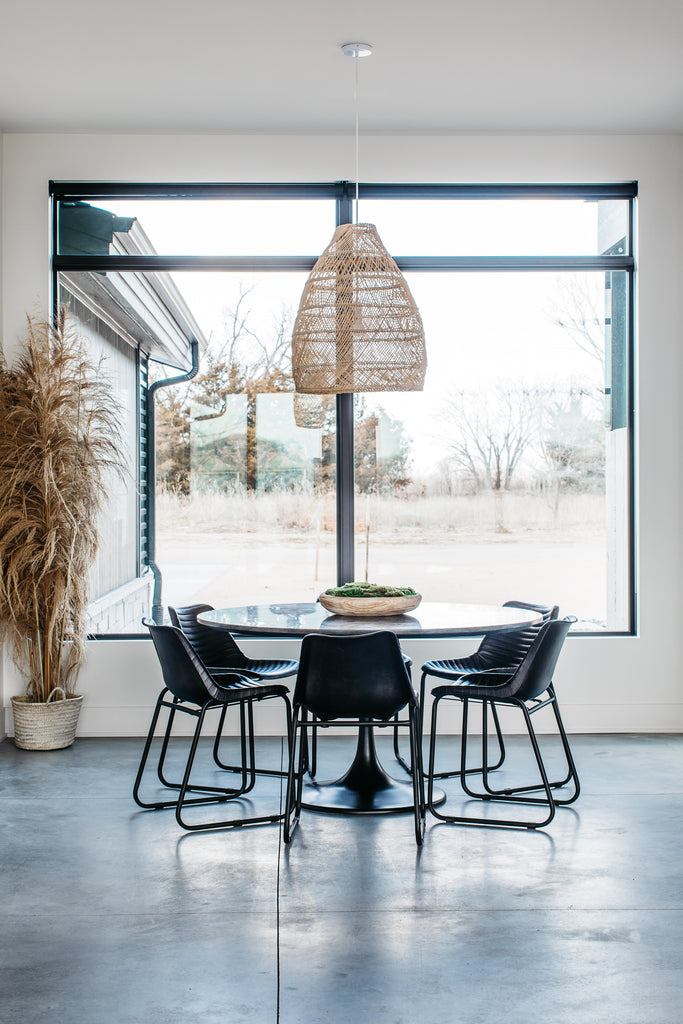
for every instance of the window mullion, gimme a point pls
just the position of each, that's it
(345, 454)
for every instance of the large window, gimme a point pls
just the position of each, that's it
(508, 477)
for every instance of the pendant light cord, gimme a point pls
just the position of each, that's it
(355, 104)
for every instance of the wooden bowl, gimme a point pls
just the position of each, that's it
(369, 607)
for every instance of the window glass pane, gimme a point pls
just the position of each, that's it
(506, 478)
(497, 227)
(118, 598)
(198, 227)
(245, 468)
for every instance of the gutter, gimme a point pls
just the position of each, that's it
(157, 605)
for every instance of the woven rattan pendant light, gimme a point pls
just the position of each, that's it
(358, 328)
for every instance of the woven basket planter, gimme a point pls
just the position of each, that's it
(48, 726)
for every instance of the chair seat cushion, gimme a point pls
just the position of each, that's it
(450, 668)
(255, 668)
(270, 668)
(494, 684)
(230, 687)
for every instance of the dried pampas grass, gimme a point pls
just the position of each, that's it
(59, 443)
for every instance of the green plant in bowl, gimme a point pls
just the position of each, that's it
(369, 599)
(370, 590)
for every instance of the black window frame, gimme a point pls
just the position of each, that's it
(343, 193)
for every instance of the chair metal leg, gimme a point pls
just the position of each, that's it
(548, 802)
(556, 784)
(145, 753)
(295, 776)
(228, 822)
(397, 752)
(418, 775)
(188, 768)
(454, 773)
(252, 769)
(298, 795)
(211, 794)
(298, 766)
(164, 749)
(432, 755)
(314, 753)
(245, 769)
(219, 736)
(247, 742)
(507, 795)
(312, 760)
(572, 772)
(166, 783)
(499, 737)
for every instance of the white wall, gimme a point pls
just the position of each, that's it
(2, 674)
(606, 684)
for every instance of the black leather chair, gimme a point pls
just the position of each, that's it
(496, 650)
(529, 687)
(192, 690)
(351, 681)
(219, 652)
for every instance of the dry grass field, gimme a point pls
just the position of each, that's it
(280, 546)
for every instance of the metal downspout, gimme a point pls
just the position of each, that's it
(157, 606)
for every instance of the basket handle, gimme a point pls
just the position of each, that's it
(53, 692)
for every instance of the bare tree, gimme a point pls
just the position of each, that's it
(572, 442)
(580, 312)
(257, 354)
(489, 432)
(242, 360)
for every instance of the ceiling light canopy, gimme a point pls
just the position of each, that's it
(356, 49)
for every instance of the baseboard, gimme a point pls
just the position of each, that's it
(96, 720)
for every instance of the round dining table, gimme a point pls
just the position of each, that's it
(366, 788)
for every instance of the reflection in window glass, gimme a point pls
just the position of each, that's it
(118, 597)
(245, 468)
(505, 476)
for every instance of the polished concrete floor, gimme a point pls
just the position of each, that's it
(111, 914)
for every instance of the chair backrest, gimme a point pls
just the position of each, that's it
(510, 649)
(215, 647)
(184, 673)
(535, 674)
(361, 676)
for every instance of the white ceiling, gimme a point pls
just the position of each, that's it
(276, 66)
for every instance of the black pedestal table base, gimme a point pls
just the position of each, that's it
(365, 788)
